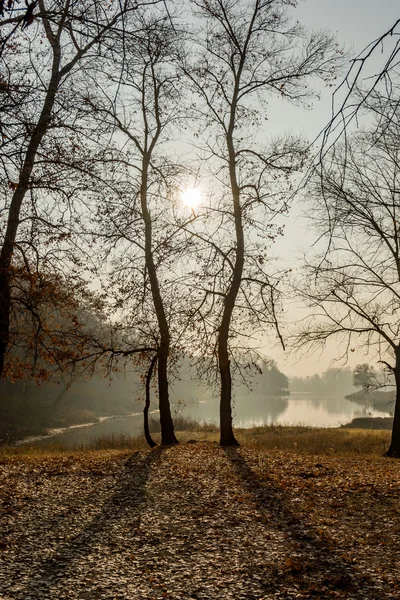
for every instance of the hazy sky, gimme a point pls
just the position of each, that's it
(356, 23)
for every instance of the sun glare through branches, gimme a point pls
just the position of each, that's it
(191, 198)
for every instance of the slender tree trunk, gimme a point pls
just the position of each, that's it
(167, 426)
(147, 435)
(394, 449)
(39, 130)
(227, 437)
(226, 430)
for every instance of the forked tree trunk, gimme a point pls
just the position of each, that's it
(394, 449)
(13, 220)
(167, 426)
(39, 131)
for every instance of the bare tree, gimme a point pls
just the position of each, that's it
(353, 286)
(248, 51)
(362, 81)
(136, 228)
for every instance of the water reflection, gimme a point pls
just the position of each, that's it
(248, 410)
(300, 408)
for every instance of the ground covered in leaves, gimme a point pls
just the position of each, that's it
(198, 522)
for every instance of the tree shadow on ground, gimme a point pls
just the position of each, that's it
(314, 566)
(128, 499)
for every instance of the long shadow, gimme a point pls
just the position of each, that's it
(316, 566)
(128, 496)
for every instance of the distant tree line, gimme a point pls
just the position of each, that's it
(332, 381)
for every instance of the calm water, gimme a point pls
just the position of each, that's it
(313, 411)
(250, 409)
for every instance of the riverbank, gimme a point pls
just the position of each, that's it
(299, 440)
(37, 432)
(198, 521)
(371, 423)
(116, 426)
(15, 431)
(376, 399)
(249, 410)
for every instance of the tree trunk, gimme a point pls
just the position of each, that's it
(167, 426)
(394, 449)
(147, 435)
(225, 408)
(227, 437)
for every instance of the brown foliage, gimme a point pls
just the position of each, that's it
(50, 324)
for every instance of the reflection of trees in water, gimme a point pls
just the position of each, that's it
(334, 404)
(275, 406)
(260, 408)
(325, 393)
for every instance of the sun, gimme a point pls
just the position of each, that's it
(191, 197)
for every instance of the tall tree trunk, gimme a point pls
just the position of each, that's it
(57, 74)
(167, 426)
(394, 449)
(147, 435)
(227, 437)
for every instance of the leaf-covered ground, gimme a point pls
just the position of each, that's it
(198, 522)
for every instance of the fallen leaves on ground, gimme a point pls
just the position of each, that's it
(199, 522)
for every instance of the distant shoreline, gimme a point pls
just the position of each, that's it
(385, 423)
(379, 400)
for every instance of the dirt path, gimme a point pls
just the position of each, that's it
(191, 522)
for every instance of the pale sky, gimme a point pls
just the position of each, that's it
(356, 23)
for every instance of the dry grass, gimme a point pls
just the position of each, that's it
(307, 440)
(298, 440)
(182, 423)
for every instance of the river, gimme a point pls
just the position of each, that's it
(248, 410)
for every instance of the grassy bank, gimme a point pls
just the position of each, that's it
(298, 440)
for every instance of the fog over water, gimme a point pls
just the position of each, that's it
(85, 410)
(313, 411)
(249, 409)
